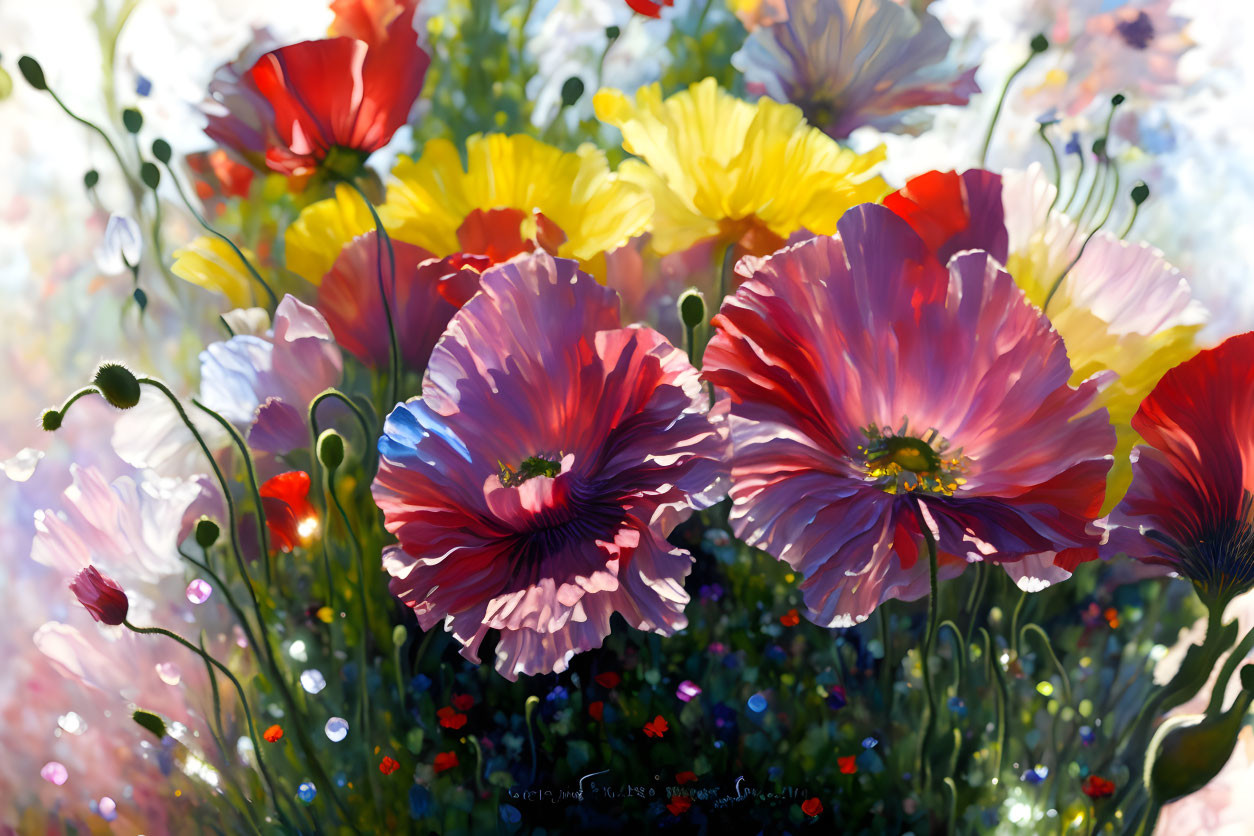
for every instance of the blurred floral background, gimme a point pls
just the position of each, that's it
(1186, 131)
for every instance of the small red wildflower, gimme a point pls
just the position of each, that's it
(657, 727)
(679, 804)
(609, 679)
(1095, 786)
(388, 765)
(812, 807)
(446, 760)
(848, 764)
(685, 778)
(450, 719)
(596, 710)
(273, 734)
(790, 619)
(463, 702)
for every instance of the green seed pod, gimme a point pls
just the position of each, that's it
(118, 385)
(331, 449)
(32, 72)
(691, 308)
(206, 532)
(51, 420)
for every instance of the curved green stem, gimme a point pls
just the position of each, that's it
(1053, 156)
(263, 536)
(960, 652)
(239, 689)
(929, 644)
(1234, 660)
(1003, 699)
(327, 394)
(1035, 629)
(530, 706)
(1014, 622)
(1001, 101)
(252, 270)
(381, 240)
(953, 805)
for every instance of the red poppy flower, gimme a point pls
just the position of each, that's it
(450, 719)
(656, 727)
(388, 765)
(1095, 786)
(790, 619)
(685, 778)
(101, 595)
(596, 710)
(609, 680)
(337, 100)
(812, 807)
(679, 804)
(463, 702)
(273, 734)
(445, 760)
(290, 516)
(848, 764)
(648, 8)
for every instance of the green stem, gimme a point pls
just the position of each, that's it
(953, 806)
(960, 652)
(1035, 629)
(1053, 156)
(1001, 101)
(1002, 699)
(274, 300)
(239, 689)
(1075, 191)
(531, 704)
(381, 240)
(263, 536)
(327, 394)
(1014, 622)
(929, 643)
(363, 692)
(1235, 658)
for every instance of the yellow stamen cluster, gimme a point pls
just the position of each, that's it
(897, 461)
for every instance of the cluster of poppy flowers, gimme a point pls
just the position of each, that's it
(894, 384)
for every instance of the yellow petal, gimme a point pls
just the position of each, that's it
(209, 262)
(313, 242)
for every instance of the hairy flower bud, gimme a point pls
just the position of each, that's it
(118, 385)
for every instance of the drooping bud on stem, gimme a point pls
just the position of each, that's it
(117, 384)
(331, 449)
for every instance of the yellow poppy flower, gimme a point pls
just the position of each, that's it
(209, 262)
(748, 174)
(430, 198)
(313, 242)
(1121, 308)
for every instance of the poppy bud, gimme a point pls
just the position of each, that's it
(32, 72)
(331, 449)
(1189, 750)
(150, 721)
(161, 150)
(51, 420)
(118, 385)
(91, 178)
(150, 174)
(1140, 193)
(691, 308)
(206, 532)
(1039, 44)
(572, 89)
(132, 120)
(102, 597)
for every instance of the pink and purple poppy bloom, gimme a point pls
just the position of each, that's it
(849, 63)
(349, 299)
(864, 378)
(532, 485)
(1190, 507)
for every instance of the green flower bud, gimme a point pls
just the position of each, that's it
(140, 298)
(150, 721)
(1117, 100)
(572, 89)
(91, 178)
(118, 385)
(399, 635)
(161, 150)
(1189, 750)
(150, 174)
(132, 120)
(51, 420)
(32, 72)
(612, 33)
(691, 308)
(206, 532)
(1039, 44)
(331, 449)
(1140, 193)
